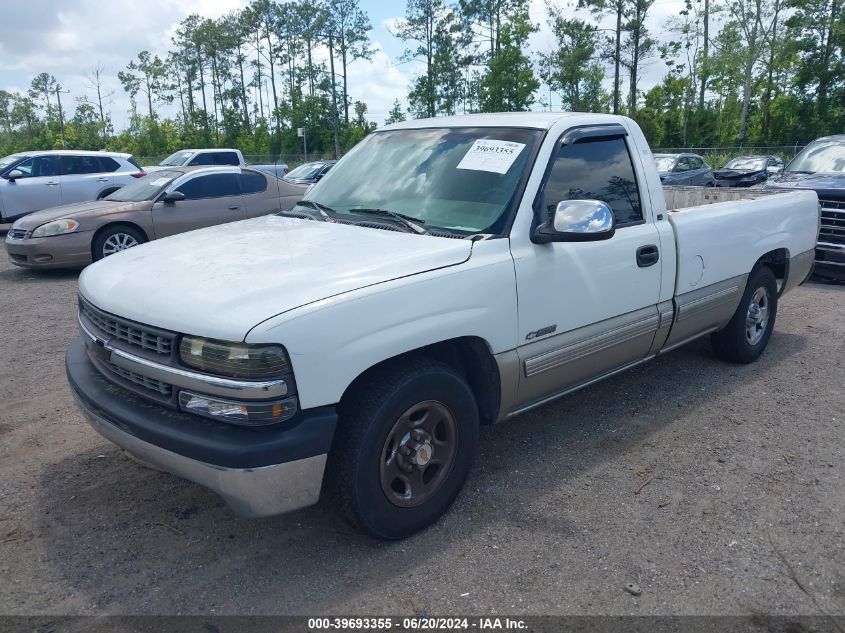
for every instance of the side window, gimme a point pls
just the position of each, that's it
(38, 166)
(210, 186)
(682, 164)
(599, 169)
(79, 165)
(226, 158)
(252, 182)
(202, 159)
(696, 162)
(108, 164)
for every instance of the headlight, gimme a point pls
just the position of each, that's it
(234, 360)
(56, 227)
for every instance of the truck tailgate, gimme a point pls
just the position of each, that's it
(724, 239)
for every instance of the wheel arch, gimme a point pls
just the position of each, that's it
(777, 260)
(114, 224)
(471, 356)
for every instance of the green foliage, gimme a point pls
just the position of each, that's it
(509, 83)
(768, 73)
(572, 69)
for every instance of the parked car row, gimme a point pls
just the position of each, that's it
(163, 203)
(819, 167)
(30, 181)
(74, 207)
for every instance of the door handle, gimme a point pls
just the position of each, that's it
(647, 256)
(52, 184)
(102, 179)
(234, 208)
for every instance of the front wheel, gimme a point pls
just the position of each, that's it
(748, 332)
(115, 239)
(405, 442)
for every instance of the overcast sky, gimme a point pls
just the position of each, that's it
(68, 39)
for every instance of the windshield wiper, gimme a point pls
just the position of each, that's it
(407, 221)
(318, 206)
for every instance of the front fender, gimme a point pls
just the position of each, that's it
(332, 342)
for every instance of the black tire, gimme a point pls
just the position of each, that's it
(120, 232)
(735, 343)
(105, 193)
(368, 419)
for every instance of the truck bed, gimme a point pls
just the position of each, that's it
(678, 197)
(720, 233)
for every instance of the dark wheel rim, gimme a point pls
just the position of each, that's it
(418, 454)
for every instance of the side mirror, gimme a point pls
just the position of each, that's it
(14, 175)
(577, 221)
(173, 196)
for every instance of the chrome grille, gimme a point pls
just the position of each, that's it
(832, 222)
(161, 388)
(129, 332)
(16, 234)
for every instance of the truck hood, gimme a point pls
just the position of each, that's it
(221, 281)
(826, 185)
(78, 211)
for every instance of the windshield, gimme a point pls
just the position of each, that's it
(821, 156)
(176, 159)
(460, 179)
(664, 163)
(745, 163)
(146, 188)
(305, 171)
(11, 159)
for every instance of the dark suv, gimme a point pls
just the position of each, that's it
(820, 167)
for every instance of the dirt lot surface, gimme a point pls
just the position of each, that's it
(718, 489)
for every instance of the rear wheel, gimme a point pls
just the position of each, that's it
(748, 332)
(114, 239)
(405, 442)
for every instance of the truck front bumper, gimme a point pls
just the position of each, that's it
(257, 472)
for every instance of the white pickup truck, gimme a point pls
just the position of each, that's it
(447, 273)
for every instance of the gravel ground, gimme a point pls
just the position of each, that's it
(718, 489)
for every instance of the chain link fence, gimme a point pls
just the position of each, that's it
(291, 160)
(716, 157)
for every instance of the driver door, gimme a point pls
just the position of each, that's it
(210, 199)
(587, 308)
(38, 188)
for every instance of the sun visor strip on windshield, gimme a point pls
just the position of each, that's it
(593, 133)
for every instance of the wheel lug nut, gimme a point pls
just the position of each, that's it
(404, 450)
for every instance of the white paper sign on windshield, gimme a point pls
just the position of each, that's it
(158, 182)
(490, 155)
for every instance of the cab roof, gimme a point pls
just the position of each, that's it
(532, 120)
(74, 152)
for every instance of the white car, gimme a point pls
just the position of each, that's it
(201, 157)
(446, 273)
(31, 181)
